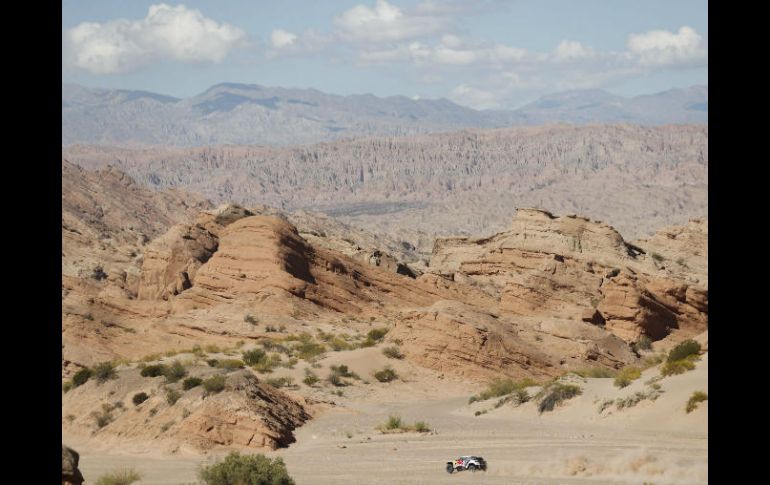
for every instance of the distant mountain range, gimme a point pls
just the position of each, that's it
(231, 113)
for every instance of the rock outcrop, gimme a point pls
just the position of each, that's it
(70, 474)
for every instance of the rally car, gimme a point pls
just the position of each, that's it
(471, 463)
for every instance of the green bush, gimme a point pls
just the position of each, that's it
(104, 371)
(139, 398)
(213, 362)
(697, 397)
(626, 376)
(81, 377)
(392, 352)
(377, 334)
(385, 375)
(237, 469)
(677, 367)
(683, 350)
(119, 477)
(191, 382)
(175, 371)
(308, 350)
(554, 394)
(104, 417)
(66, 387)
(214, 384)
(597, 372)
(154, 370)
(254, 356)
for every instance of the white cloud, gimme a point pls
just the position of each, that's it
(475, 98)
(167, 32)
(281, 38)
(386, 23)
(663, 48)
(572, 51)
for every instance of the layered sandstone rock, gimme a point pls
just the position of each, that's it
(576, 269)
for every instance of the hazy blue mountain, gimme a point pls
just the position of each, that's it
(230, 113)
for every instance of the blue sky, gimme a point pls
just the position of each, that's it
(483, 54)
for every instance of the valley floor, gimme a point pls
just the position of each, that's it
(654, 442)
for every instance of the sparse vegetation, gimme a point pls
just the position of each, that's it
(554, 394)
(250, 319)
(630, 401)
(517, 398)
(246, 470)
(139, 398)
(643, 343)
(501, 387)
(696, 398)
(392, 352)
(191, 382)
(395, 423)
(81, 377)
(153, 370)
(165, 427)
(626, 376)
(104, 371)
(103, 417)
(672, 368)
(175, 371)
(596, 372)
(386, 375)
(657, 257)
(214, 384)
(172, 396)
(230, 364)
(254, 356)
(279, 382)
(119, 477)
(374, 336)
(684, 350)
(65, 387)
(310, 377)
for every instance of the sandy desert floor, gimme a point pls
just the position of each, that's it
(653, 442)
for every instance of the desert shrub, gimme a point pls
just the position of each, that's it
(639, 396)
(81, 377)
(104, 371)
(605, 404)
(119, 477)
(212, 348)
(392, 352)
(153, 370)
(212, 362)
(697, 397)
(393, 422)
(385, 375)
(230, 364)
(596, 372)
(337, 344)
(254, 356)
(657, 257)
(214, 384)
(676, 367)
(139, 398)
(626, 376)
(310, 377)
(197, 350)
(653, 360)
(643, 343)
(191, 382)
(66, 386)
(334, 379)
(237, 469)
(279, 382)
(103, 417)
(172, 396)
(175, 371)
(421, 427)
(343, 371)
(267, 364)
(554, 394)
(479, 413)
(517, 398)
(166, 426)
(186, 413)
(683, 350)
(377, 334)
(250, 319)
(309, 350)
(501, 387)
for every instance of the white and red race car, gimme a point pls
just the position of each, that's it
(471, 463)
